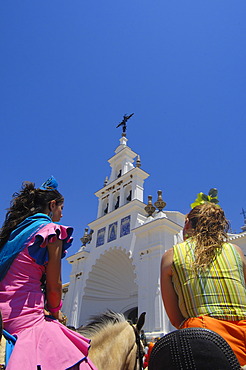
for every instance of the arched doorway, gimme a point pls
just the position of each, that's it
(111, 284)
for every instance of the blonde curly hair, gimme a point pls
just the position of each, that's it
(209, 232)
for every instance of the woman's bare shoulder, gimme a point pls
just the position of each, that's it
(238, 249)
(167, 260)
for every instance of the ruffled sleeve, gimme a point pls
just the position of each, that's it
(49, 234)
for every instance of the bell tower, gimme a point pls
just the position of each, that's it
(125, 181)
(117, 267)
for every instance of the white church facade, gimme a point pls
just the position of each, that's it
(118, 265)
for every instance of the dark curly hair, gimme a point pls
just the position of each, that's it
(209, 231)
(26, 203)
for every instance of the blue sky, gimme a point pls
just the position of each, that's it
(70, 70)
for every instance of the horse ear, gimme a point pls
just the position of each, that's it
(140, 322)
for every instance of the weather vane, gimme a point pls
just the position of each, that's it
(123, 123)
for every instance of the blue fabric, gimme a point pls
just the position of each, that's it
(19, 238)
(50, 184)
(40, 255)
(10, 342)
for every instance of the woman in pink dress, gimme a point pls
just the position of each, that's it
(31, 247)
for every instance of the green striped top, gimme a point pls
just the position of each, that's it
(219, 291)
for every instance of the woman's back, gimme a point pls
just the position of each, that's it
(218, 290)
(21, 298)
(203, 279)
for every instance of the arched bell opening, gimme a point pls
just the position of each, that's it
(116, 200)
(127, 194)
(118, 172)
(105, 206)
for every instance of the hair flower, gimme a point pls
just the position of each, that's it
(50, 184)
(202, 198)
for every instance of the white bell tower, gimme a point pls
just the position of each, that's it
(118, 265)
(125, 182)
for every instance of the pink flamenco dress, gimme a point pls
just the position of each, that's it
(42, 343)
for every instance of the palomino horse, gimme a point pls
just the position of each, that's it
(115, 343)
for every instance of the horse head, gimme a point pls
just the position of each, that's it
(115, 342)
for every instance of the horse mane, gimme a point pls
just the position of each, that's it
(115, 342)
(100, 322)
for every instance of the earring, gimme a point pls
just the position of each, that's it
(50, 214)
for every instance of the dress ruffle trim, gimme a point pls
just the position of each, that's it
(49, 234)
(52, 346)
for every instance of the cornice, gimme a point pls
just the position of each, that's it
(157, 223)
(83, 254)
(116, 156)
(129, 208)
(237, 236)
(124, 178)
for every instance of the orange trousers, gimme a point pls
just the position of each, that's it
(234, 332)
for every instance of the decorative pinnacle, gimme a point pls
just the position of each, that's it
(86, 237)
(106, 181)
(138, 161)
(243, 213)
(160, 204)
(150, 209)
(244, 216)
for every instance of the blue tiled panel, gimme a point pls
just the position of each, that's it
(112, 231)
(100, 236)
(125, 225)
